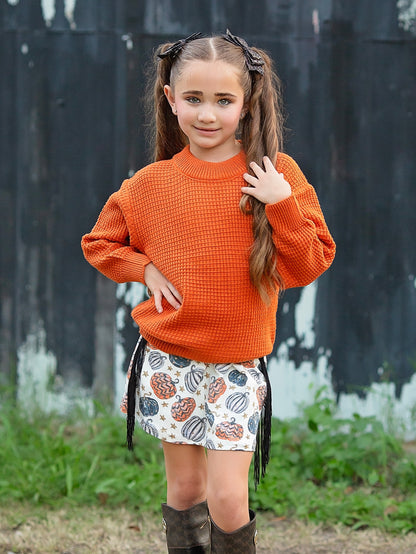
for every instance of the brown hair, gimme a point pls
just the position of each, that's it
(261, 131)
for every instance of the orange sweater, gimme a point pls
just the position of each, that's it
(183, 215)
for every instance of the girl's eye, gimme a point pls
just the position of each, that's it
(192, 99)
(224, 101)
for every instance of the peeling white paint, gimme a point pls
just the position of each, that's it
(39, 386)
(407, 15)
(13, 2)
(130, 294)
(398, 415)
(128, 40)
(69, 12)
(294, 387)
(315, 21)
(49, 11)
(24, 49)
(304, 316)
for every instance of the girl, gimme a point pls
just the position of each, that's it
(215, 229)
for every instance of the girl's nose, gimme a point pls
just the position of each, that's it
(206, 115)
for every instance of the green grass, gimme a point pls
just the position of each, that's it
(326, 469)
(323, 469)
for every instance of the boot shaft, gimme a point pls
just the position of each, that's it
(187, 531)
(241, 541)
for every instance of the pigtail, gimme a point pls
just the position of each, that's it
(261, 135)
(168, 138)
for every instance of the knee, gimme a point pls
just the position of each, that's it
(228, 504)
(186, 491)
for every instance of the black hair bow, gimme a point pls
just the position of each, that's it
(254, 61)
(174, 50)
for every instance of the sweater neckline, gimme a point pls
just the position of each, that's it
(200, 169)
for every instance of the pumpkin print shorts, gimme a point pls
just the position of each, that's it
(186, 402)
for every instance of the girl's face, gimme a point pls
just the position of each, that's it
(208, 100)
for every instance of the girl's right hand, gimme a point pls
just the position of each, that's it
(160, 287)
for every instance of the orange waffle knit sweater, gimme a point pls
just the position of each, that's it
(183, 215)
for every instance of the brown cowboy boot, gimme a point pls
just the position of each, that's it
(241, 541)
(187, 531)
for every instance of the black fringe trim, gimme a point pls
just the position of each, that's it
(136, 369)
(264, 431)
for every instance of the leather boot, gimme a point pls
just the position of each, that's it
(241, 541)
(187, 531)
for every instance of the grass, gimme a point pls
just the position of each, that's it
(323, 469)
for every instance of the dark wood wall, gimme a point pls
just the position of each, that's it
(71, 128)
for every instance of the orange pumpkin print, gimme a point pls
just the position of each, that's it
(217, 387)
(229, 431)
(183, 408)
(162, 385)
(123, 405)
(248, 364)
(261, 395)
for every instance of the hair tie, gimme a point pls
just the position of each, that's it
(174, 50)
(254, 61)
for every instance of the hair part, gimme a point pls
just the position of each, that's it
(260, 131)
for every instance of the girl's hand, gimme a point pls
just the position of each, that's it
(268, 185)
(160, 287)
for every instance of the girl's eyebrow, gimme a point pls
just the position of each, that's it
(200, 93)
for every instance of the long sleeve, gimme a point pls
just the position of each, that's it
(305, 247)
(107, 247)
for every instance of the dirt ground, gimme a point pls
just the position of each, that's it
(102, 531)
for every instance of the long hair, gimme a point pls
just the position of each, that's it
(261, 133)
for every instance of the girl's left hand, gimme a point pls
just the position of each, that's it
(269, 186)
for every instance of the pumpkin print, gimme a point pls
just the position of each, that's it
(217, 387)
(149, 428)
(177, 361)
(209, 445)
(229, 430)
(257, 375)
(248, 364)
(183, 408)
(237, 402)
(162, 385)
(194, 428)
(156, 360)
(123, 405)
(148, 406)
(223, 368)
(209, 414)
(193, 378)
(237, 377)
(261, 395)
(253, 423)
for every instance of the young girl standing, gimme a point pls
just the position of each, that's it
(215, 229)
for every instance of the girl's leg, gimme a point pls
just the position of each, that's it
(233, 526)
(185, 515)
(186, 474)
(227, 488)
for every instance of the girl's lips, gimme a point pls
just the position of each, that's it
(203, 130)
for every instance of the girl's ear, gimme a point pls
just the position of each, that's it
(167, 89)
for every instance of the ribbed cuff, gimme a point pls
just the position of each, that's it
(285, 215)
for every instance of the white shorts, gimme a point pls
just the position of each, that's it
(182, 401)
